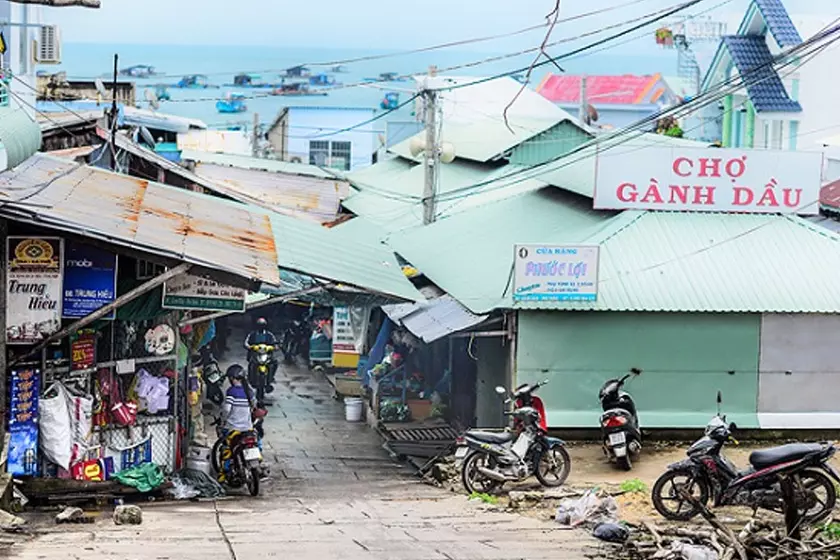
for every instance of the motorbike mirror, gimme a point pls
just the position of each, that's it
(501, 390)
(732, 426)
(635, 371)
(719, 398)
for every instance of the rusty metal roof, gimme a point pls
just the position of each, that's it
(151, 217)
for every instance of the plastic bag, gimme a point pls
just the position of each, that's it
(81, 419)
(611, 532)
(55, 426)
(589, 508)
(685, 551)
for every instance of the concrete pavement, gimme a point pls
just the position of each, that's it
(333, 494)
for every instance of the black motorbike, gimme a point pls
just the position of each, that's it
(492, 458)
(241, 452)
(708, 474)
(620, 433)
(212, 375)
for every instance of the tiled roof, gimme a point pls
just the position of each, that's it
(753, 59)
(830, 196)
(778, 22)
(608, 90)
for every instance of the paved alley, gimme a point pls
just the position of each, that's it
(334, 493)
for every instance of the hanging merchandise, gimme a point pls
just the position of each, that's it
(23, 422)
(160, 340)
(81, 416)
(152, 392)
(56, 426)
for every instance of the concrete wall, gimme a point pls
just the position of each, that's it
(323, 123)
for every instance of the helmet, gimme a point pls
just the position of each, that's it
(235, 372)
(261, 322)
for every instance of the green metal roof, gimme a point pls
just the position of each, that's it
(389, 193)
(350, 255)
(19, 135)
(650, 261)
(469, 255)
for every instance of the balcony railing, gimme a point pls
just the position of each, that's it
(5, 87)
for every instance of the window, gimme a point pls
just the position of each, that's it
(324, 153)
(146, 270)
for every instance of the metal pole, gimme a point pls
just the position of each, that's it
(583, 112)
(255, 137)
(112, 123)
(4, 231)
(431, 153)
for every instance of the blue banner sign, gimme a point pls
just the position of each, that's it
(90, 279)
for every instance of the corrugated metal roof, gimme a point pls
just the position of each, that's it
(73, 153)
(433, 319)
(298, 195)
(19, 134)
(261, 164)
(53, 121)
(162, 220)
(823, 221)
(133, 116)
(349, 254)
(470, 254)
(576, 172)
(473, 119)
(390, 193)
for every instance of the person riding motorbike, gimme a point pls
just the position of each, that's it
(262, 336)
(237, 411)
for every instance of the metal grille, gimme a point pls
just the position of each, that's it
(443, 433)
(159, 429)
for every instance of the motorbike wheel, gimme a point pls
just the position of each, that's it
(252, 481)
(815, 494)
(665, 492)
(553, 467)
(475, 482)
(624, 463)
(215, 395)
(216, 455)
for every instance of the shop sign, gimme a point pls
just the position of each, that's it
(709, 180)
(23, 422)
(90, 280)
(555, 273)
(187, 291)
(83, 350)
(33, 290)
(348, 335)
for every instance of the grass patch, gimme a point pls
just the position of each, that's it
(486, 498)
(832, 531)
(633, 486)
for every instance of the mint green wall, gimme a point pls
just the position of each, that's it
(727, 122)
(749, 141)
(685, 358)
(547, 145)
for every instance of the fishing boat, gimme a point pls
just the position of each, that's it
(296, 89)
(339, 69)
(297, 72)
(162, 94)
(321, 80)
(232, 103)
(391, 101)
(195, 81)
(249, 81)
(387, 77)
(139, 71)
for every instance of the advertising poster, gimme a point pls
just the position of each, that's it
(187, 291)
(348, 335)
(23, 422)
(83, 349)
(555, 273)
(90, 280)
(33, 290)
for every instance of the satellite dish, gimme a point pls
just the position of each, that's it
(152, 98)
(447, 152)
(417, 145)
(100, 87)
(147, 136)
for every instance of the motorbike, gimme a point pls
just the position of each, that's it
(296, 335)
(242, 451)
(708, 475)
(620, 433)
(489, 459)
(260, 369)
(212, 375)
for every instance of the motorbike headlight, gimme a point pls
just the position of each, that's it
(262, 358)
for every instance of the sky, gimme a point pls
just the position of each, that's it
(358, 23)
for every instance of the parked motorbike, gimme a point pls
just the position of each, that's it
(620, 433)
(212, 375)
(261, 365)
(492, 458)
(708, 474)
(296, 335)
(242, 453)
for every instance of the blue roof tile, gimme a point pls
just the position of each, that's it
(754, 61)
(778, 22)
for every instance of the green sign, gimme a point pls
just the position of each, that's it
(187, 291)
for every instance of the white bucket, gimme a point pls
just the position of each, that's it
(198, 465)
(353, 409)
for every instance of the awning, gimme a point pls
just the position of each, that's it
(433, 319)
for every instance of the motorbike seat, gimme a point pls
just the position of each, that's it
(491, 437)
(764, 458)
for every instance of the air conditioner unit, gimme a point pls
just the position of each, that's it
(48, 49)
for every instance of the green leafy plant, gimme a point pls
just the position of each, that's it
(832, 531)
(633, 486)
(486, 498)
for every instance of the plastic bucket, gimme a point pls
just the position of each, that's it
(353, 409)
(199, 465)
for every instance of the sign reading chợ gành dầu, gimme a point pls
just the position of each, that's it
(708, 180)
(555, 273)
(188, 291)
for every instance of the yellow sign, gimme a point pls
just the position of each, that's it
(2, 43)
(35, 252)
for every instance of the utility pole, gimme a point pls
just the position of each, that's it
(431, 154)
(583, 112)
(112, 122)
(255, 136)
(4, 230)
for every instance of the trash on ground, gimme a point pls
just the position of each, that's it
(128, 515)
(592, 508)
(188, 484)
(611, 532)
